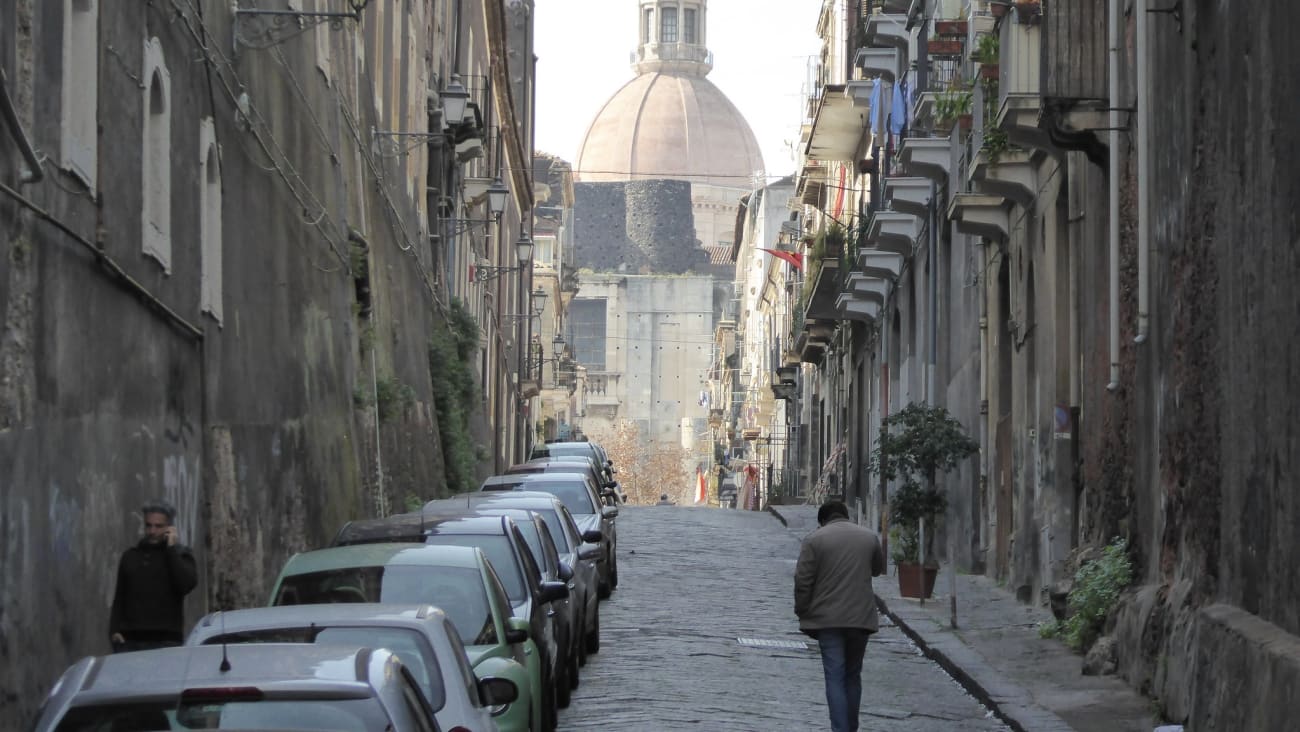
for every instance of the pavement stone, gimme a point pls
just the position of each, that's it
(995, 652)
(694, 580)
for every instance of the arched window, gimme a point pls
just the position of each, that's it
(156, 161)
(210, 288)
(78, 136)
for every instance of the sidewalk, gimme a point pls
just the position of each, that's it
(1031, 683)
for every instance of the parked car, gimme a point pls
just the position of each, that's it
(588, 450)
(256, 686)
(583, 499)
(500, 539)
(610, 491)
(461, 581)
(581, 550)
(421, 635)
(551, 536)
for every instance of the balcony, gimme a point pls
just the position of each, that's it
(853, 308)
(812, 177)
(1011, 175)
(822, 290)
(979, 214)
(893, 231)
(885, 62)
(602, 388)
(928, 157)
(814, 339)
(838, 126)
(1019, 85)
(885, 265)
(908, 195)
(888, 29)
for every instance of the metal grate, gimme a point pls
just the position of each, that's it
(764, 643)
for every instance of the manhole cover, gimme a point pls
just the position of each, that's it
(765, 643)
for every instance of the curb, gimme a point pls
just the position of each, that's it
(1009, 702)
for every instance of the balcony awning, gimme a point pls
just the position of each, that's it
(838, 127)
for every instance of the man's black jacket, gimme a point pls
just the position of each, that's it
(152, 581)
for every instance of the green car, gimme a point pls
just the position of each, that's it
(459, 580)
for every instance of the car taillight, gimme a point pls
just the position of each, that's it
(223, 693)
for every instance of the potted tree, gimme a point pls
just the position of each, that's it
(914, 447)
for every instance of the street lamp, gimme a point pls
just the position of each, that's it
(454, 100)
(524, 251)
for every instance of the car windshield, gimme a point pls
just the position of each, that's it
(498, 551)
(562, 451)
(410, 645)
(337, 715)
(573, 493)
(457, 590)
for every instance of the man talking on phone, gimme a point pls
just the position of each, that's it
(153, 578)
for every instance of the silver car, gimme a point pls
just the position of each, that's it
(421, 635)
(255, 686)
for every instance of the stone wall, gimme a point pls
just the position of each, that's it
(637, 227)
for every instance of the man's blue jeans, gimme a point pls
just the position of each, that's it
(842, 651)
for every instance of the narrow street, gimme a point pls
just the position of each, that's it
(692, 581)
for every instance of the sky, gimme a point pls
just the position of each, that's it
(761, 51)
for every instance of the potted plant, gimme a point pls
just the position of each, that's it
(987, 53)
(914, 447)
(951, 106)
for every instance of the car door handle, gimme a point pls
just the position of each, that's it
(550, 613)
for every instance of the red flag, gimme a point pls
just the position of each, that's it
(701, 492)
(794, 259)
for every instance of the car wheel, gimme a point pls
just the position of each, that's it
(549, 709)
(613, 571)
(563, 687)
(592, 639)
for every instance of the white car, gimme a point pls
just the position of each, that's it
(421, 635)
(254, 687)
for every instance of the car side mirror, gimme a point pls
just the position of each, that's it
(566, 572)
(594, 536)
(495, 691)
(516, 631)
(552, 591)
(590, 551)
(609, 512)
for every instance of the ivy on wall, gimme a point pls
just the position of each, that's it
(455, 394)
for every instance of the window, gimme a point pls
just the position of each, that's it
(544, 250)
(586, 331)
(78, 136)
(668, 25)
(648, 28)
(210, 291)
(156, 218)
(688, 26)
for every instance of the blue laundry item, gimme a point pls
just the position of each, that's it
(898, 110)
(875, 106)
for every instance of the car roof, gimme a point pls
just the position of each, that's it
(534, 478)
(413, 527)
(521, 499)
(378, 554)
(299, 616)
(272, 667)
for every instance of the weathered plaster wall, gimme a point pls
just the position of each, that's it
(259, 431)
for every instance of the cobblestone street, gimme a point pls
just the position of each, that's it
(694, 580)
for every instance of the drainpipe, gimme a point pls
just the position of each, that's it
(1143, 174)
(930, 389)
(1116, 163)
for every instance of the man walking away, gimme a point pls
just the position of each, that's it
(835, 604)
(153, 578)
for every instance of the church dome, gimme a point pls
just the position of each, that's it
(670, 121)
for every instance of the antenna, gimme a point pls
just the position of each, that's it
(225, 659)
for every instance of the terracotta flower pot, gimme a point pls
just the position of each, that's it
(989, 71)
(950, 28)
(998, 9)
(944, 48)
(916, 581)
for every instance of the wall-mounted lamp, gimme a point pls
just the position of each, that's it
(538, 306)
(454, 100)
(261, 29)
(496, 201)
(523, 249)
